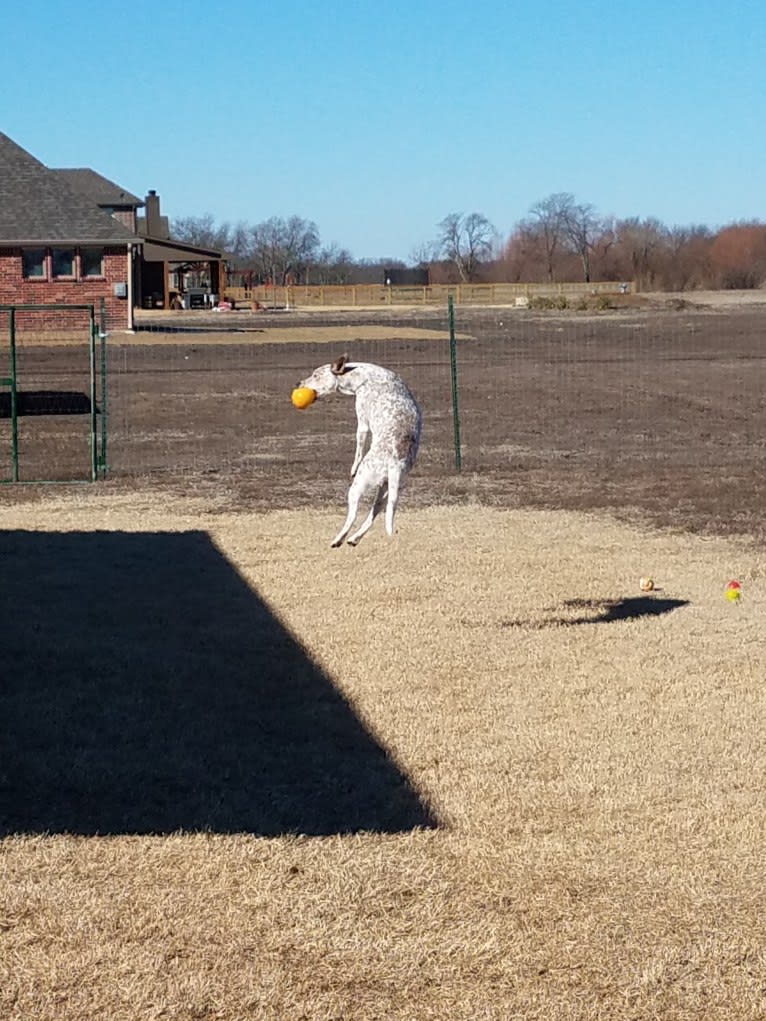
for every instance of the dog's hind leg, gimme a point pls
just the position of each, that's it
(355, 491)
(377, 507)
(394, 484)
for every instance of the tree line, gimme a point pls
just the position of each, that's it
(559, 239)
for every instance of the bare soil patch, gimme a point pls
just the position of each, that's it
(655, 414)
(290, 333)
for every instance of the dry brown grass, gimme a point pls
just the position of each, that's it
(598, 784)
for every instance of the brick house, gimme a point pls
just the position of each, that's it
(74, 237)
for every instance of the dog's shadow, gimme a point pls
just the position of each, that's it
(604, 611)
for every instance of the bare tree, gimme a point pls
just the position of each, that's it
(691, 260)
(238, 239)
(424, 254)
(281, 248)
(738, 255)
(465, 241)
(582, 228)
(333, 265)
(547, 224)
(201, 231)
(642, 245)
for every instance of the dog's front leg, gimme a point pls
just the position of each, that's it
(362, 435)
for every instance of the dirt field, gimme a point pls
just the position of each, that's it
(473, 773)
(656, 412)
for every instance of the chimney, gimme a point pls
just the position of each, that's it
(153, 221)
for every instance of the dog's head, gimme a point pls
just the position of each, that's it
(330, 378)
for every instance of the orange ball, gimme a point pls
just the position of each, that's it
(302, 396)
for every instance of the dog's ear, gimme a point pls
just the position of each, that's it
(339, 367)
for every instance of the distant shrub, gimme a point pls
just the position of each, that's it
(556, 302)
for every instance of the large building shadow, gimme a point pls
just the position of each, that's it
(147, 689)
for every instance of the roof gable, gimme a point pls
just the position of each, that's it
(39, 205)
(97, 188)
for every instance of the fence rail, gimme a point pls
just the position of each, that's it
(362, 295)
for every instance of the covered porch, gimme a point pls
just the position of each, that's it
(171, 274)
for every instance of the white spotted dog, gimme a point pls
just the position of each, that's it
(387, 436)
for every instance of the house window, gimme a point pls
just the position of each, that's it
(91, 262)
(63, 262)
(33, 263)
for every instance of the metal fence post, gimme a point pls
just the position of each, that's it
(453, 374)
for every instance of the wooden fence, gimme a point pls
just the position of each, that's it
(375, 295)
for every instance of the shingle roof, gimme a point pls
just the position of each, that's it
(161, 250)
(99, 189)
(38, 205)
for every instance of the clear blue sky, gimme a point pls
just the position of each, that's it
(377, 120)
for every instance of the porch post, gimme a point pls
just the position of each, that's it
(131, 299)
